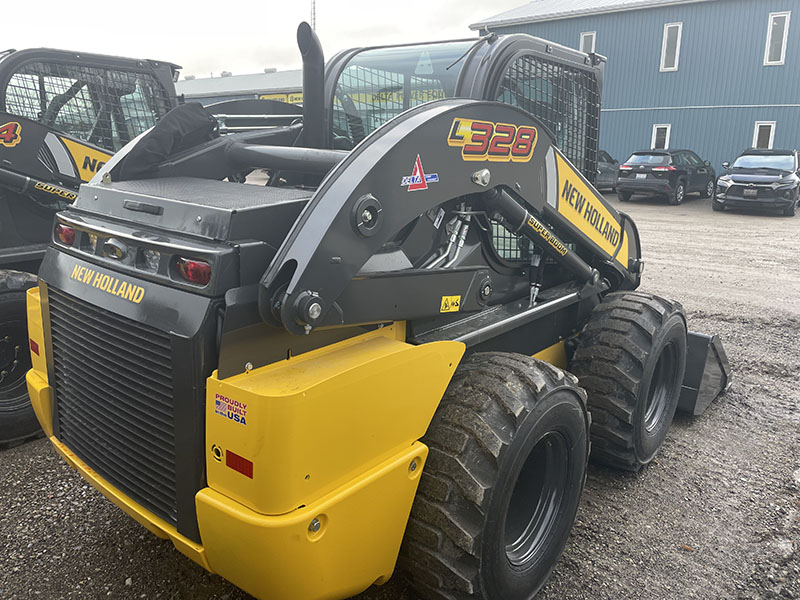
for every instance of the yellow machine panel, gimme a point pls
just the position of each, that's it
(286, 434)
(334, 548)
(88, 160)
(580, 204)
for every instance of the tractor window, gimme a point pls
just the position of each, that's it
(566, 99)
(104, 107)
(378, 84)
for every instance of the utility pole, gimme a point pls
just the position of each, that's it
(313, 15)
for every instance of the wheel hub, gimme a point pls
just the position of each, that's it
(661, 387)
(536, 500)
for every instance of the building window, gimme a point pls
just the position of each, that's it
(587, 41)
(660, 139)
(777, 34)
(671, 46)
(764, 134)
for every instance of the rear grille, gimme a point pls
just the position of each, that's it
(114, 400)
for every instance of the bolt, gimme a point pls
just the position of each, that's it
(106, 178)
(481, 177)
(248, 366)
(366, 216)
(486, 291)
(307, 328)
(199, 218)
(518, 186)
(314, 526)
(314, 310)
(95, 198)
(413, 466)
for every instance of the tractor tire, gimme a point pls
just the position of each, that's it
(498, 496)
(17, 421)
(630, 359)
(678, 194)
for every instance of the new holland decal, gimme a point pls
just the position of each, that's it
(108, 284)
(580, 205)
(495, 142)
(418, 180)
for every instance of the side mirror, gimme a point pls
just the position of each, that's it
(726, 165)
(707, 163)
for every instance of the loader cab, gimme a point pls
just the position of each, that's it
(366, 87)
(105, 101)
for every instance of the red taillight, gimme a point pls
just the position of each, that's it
(65, 234)
(625, 168)
(194, 271)
(239, 463)
(667, 168)
(34, 347)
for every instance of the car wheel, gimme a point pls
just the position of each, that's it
(709, 191)
(624, 196)
(678, 195)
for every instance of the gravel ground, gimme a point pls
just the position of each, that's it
(716, 516)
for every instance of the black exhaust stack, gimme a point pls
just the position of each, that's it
(313, 86)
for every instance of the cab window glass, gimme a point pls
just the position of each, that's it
(377, 85)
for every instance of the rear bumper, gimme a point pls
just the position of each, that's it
(280, 557)
(644, 187)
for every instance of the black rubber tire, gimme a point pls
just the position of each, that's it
(498, 496)
(708, 191)
(790, 211)
(717, 206)
(624, 196)
(17, 420)
(678, 194)
(630, 359)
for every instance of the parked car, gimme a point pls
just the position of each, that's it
(760, 179)
(607, 169)
(670, 173)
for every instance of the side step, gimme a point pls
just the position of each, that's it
(708, 373)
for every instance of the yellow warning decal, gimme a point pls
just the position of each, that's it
(109, 285)
(582, 207)
(10, 134)
(450, 304)
(88, 160)
(495, 142)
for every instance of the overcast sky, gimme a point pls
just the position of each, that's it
(241, 36)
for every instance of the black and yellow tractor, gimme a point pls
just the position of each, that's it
(390, 351)
(62, 115)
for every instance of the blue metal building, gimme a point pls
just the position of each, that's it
(713, 76)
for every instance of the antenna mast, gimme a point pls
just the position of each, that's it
(313, 15)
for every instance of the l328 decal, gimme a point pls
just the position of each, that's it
(495, 142)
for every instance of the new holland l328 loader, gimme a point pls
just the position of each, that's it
(392, 349)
